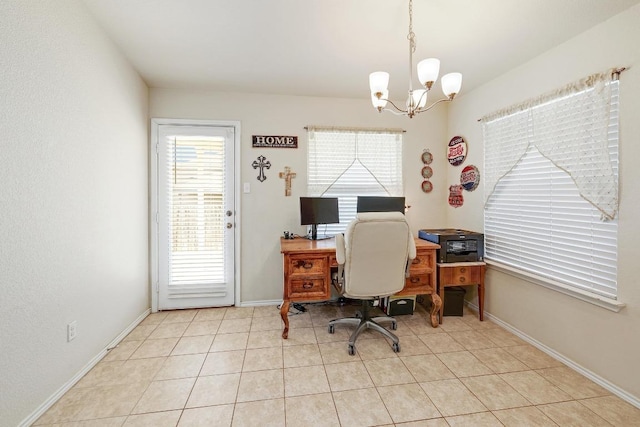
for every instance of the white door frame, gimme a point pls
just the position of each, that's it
(153, 188)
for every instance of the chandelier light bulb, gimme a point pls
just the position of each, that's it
(419, 98)
(428, 70)
(379, 103)
(451, 84)
(378, 81)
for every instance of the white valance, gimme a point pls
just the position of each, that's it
(332, 151)
(570, 128)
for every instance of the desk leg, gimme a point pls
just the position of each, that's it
(284, 313)
(481, 297)
(441, 309)
(436, 307)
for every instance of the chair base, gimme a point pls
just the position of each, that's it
(367, 322)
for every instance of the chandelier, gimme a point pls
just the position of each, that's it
(428, 70)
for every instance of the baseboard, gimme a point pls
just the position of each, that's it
(614, 389)
(260, 303)
(78, 376)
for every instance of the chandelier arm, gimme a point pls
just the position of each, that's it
(397, 113)
(394, 106)
(422, 110)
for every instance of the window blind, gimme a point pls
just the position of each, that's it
(347, 163)
(536, 219)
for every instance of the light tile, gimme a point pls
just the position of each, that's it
(614, 410)
(186, 366)
(411, 345)
(494, 392)
(407, 402)
(219, 416)
(177, 316)
(532, 357)
(263, 413)
(338, 335)
(165, 396)
(377, 348)
(463, 364)
(223, 362)
(483, 419)
(305, 380)
(157, 419)
(266, 311)
(261, 359)
(208, 327)
(263, 339)
(193, 345)
(572, 414)
(441, 343)
(454, 323)
(528, 416)
(502, 337)
(228, 342)
(214, 390)
(348, 376)
(155, 348)
(451, 397)
(122, 351)
(301, 355)
(302, 320)
(267, 323)
(534, 387)
(140, 332)
(317, 410)
(238, 312)
(571, 382)
(421, 326)
(472, 340)
(499, 360)
(336, 352)
(388, 372)
(435, 422)
(169, 330)
(362, 407)
(230, 326)
(300, 336)
(261, 385)
(426, 367)
(104, 373)
(154, 318)
(207, 314)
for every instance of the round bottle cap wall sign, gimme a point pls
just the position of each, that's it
(457, 151)
(470, 178)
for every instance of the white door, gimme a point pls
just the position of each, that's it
(195, 216)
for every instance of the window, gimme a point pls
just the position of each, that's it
(347, 163)
(551, 189)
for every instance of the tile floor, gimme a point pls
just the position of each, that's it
(230, 367)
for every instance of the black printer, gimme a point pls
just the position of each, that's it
(455, 245)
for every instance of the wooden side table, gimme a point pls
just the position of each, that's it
(462, 274)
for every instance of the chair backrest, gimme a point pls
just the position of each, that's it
(377, 246)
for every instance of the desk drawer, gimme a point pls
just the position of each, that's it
(418, 284)
(423, 261)
(300, 264)
(462, 275)
(309, 288)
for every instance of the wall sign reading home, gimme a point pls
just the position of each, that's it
(274, 141)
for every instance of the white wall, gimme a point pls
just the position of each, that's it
(265, 212)
(73, 198)
(601, 341)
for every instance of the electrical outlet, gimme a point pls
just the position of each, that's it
(72, 330)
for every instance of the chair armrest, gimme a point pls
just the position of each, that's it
(412, 252)
(341, 256)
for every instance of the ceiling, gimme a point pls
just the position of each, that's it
(329, 47)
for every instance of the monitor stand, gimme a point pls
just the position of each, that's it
(315, 235)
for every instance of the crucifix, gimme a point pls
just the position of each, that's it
(287, 175)
(260, 163)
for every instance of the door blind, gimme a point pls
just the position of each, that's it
(195, 190)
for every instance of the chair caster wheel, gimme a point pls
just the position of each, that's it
(394, 326)
(352, 349)
(396, 347)
(331, 329)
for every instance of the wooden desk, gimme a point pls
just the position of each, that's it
(462, 274)
(307, 268)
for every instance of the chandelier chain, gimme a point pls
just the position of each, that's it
(411, 36)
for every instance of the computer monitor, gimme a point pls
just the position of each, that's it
(380, 204)
(318, 210)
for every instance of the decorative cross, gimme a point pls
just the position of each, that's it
(287, 175)
(260, 163)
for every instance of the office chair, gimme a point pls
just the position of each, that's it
(372, 261)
